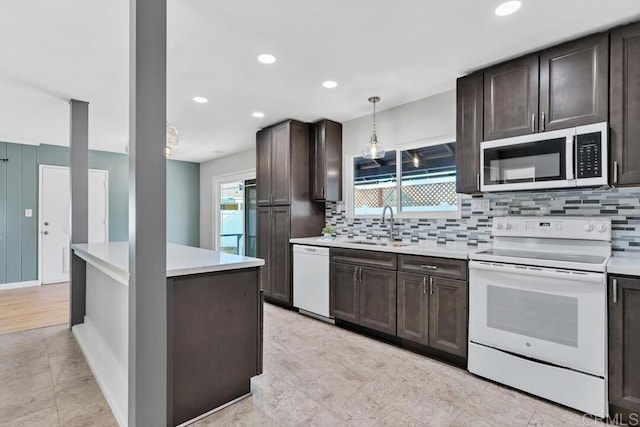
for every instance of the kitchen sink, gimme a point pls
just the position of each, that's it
(387, 244)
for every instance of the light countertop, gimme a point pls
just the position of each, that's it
(181, 260)
(624, 265)
(457, 251)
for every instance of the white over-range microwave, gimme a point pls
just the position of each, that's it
(575, 157)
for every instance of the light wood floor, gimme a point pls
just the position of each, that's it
(34, 307)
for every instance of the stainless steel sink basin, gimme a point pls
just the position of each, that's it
(387, 244)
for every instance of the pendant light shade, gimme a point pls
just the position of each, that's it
(373, 149)
(172, 136)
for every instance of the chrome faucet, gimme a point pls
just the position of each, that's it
(391, 228)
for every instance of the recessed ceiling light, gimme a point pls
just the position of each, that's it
(265, 58)
(257, 114)
(508, 7)
(200, 99)
(330, 84)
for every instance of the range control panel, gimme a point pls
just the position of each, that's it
(589, 155)
(584, 228)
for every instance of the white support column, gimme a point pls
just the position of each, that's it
(79, 171)
(148, 402)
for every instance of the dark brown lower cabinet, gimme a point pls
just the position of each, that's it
(624, 349)
(413, 304)
(273, 224)
(343, 292)
(364, 296)
(433, 311)
(448, 315)
(378, 299)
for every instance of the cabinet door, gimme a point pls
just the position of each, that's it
(263, 167)
(263, 224)
(281, 255)
(511, 99)
(412, 308)
(448, 315)
(468, 133)
(377, 299)
(319, 163)
(625, 105)
(624, 347)
(343, 287)
(574, 80)
(281, 164)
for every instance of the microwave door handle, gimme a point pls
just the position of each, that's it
(571, 159)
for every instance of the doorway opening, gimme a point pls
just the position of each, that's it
(235, 205)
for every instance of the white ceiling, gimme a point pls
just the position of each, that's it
(401, 50)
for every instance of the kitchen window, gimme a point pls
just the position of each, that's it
(417, 181)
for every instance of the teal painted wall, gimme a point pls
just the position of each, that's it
(19, 191)
(183, 203)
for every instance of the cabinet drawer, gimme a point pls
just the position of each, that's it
(442, 267)
(375, 259)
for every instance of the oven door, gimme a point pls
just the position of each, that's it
(528, 162)
(553, 316)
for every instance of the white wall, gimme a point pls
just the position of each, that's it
(234, 163)
(423, 119)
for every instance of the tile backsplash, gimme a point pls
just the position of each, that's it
(622, 205)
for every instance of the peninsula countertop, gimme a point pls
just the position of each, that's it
(456, 251)
(181, 260)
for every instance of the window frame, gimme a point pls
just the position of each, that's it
(398, 213)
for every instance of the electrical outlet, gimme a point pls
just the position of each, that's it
(480, 205)
(28, 213)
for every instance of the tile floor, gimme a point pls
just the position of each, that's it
(314, 375)
(45, 381)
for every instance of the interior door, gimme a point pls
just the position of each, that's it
(55, 203)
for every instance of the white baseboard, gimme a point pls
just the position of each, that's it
(17, 285)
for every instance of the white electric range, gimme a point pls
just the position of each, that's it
(538, 309)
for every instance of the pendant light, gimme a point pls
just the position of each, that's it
(172, 140)
(373, 149)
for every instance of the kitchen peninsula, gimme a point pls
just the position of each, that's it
(214, 343)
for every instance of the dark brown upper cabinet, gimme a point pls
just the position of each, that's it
(469, 122)
(511, 98)
(263, 167)
(326, 140)
(558, 88)
(624, 348)
(282, 154)
(574, 80)
(624, 135)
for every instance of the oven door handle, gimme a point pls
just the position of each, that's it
(537, 271)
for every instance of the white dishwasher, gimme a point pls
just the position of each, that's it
(311, 279)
